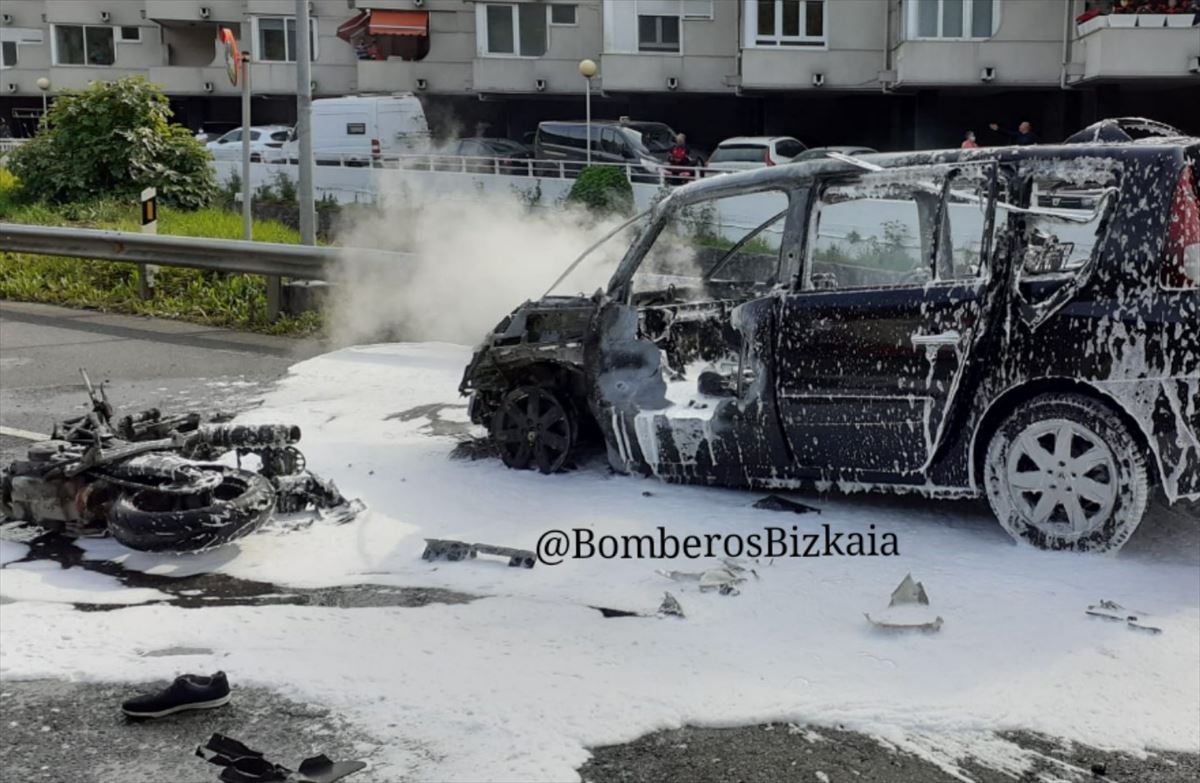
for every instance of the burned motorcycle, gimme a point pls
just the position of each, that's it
(151, 481)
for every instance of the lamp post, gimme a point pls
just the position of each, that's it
(587, 68)
(43, 84)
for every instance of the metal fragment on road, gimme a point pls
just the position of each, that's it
(670, 606)
(449, 549)
(909, 592)
(906, 610)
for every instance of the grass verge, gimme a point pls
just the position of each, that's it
(233, 301)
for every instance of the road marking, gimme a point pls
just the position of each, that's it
(14, 432)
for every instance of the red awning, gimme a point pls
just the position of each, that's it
(352, 27)
(399, 23)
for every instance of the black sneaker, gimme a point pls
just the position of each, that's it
(188, 692)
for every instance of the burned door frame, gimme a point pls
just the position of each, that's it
(737, 440)
(886, 415)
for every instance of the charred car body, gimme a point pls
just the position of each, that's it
(149, 480)
(1022, 323)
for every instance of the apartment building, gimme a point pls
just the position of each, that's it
(886, 73)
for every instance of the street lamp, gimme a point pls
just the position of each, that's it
(43, 84)
(587, 68)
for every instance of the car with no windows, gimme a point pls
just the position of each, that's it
(1021, 323)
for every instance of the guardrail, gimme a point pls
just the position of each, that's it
(302, 262)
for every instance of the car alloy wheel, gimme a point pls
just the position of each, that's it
(1064, 472)
(533, 426)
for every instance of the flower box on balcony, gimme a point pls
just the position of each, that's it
(1181, 20)
(1095, 23)
(1122, 20)
(1152, 20)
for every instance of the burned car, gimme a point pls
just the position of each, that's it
(1021, 323)
(151, 480)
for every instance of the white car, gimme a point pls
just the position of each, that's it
(266, 144)
(751, 152)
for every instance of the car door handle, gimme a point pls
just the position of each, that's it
(945, 338)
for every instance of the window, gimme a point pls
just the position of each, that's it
(658, 33)
(83, 45)
(131, 34)
(697, 9)
(561, 13)
(515, 29)
(788, 148)
(277, 39)
(231, 136)
(953, 18)
(8, 54)
(356, 129)
(871, 235)
(736, 239)
(787, 22)
(1062, 244)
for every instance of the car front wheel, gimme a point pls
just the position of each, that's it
(1065, 472)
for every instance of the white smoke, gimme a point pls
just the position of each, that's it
(475, 257)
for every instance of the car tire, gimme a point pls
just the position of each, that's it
(1065, 472)
(535, 426)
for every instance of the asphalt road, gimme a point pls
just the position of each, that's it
(145, 362)
(64, 731)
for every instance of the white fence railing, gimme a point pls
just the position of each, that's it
(635, 171)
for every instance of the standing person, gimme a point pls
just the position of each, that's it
(680, 160)
(969, 141)
(1022, 135)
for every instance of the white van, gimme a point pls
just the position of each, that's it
(355, 130)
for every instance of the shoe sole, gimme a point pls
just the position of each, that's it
(195, 705)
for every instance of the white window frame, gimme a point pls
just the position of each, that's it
(85, 64)
(781, 42)
(256, 49)
(120, 38)
(550, 19)
(911, 23)
(481, 30)
(18, 37)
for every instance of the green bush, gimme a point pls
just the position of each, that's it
(113, 139)
(604, 190)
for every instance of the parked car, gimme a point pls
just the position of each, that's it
(360, 130)
(742, 153)
(645, 146)
(266, 144)
(503, 156)
(816, 153)
(1017, 323)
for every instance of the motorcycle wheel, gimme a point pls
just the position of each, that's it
(189, 522)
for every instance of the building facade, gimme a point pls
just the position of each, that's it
(886, 73)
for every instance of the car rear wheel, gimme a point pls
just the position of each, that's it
(1065, 472)
(534, 427)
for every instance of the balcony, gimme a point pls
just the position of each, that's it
(651, 72)
(398, 75)
(191, 80)
(1112, 47)
(778, 68)
(522, 74)
(189, 10)
(950, 63)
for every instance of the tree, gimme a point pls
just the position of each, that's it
(114, 139)
(603, 190)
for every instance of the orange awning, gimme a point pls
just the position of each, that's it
(399, 23)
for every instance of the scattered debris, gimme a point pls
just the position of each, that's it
(188, 692)
(153, 483)
(670, 606)
(777, 503)
(906, 610)
(245, 765)
(723, 580)
(1111, 610)
(448, 549)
